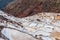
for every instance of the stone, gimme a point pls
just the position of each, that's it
(57, 17)
(56, 34)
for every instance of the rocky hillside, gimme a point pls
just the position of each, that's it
(23, 8)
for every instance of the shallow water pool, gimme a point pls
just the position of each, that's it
(3, 3)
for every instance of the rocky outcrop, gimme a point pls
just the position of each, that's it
(23, 8)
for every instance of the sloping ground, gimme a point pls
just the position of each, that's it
(23, 8)
(42, 26)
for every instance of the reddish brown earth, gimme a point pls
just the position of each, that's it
(23, 8)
